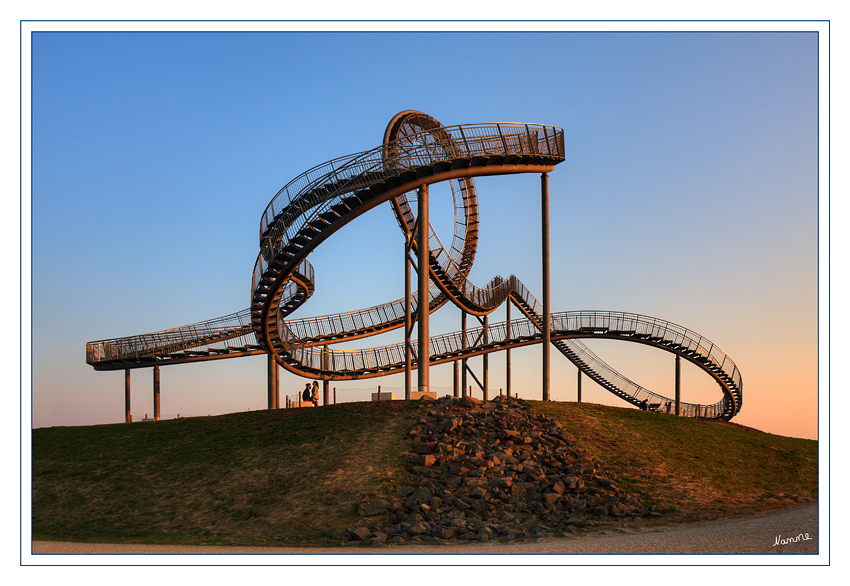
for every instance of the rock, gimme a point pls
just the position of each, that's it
(418, 496)
(424, 448)
(497, 469)
(427, 460)
(420, 528)
(361, 533)
(373, 507)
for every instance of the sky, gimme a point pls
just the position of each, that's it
(690, 192)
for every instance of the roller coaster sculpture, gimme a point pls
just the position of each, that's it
(417, 150)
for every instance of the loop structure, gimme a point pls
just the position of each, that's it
(417, 150)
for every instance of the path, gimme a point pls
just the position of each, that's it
(756, 534)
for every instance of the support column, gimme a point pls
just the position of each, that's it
(508, 351)
(485, 358)
(156, 392)
(407, 320)
(455, 380)
(579, 384)
(547, 316)
(128, 417)
(326, 383)
(463, 345)
(678, 382)
(273, 381)
(423, 354)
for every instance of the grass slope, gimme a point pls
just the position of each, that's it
(705, 469)
(293, 476)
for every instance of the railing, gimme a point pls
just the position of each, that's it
(234, 330)
(356, 172)
(303, 200)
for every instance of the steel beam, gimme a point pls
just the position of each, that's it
(578, 385)
(156, 392)
(547, 316)
(272, 381)
(486, 359)
(508, 351)
(408, 238)
(422, 263)
(463, 345)
(326, 383)
(128, 417)
(678, 382)
(455, 379)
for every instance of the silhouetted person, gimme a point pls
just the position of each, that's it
(643, 405)
(306, 395)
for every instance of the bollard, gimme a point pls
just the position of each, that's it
(334, 395)
(379, 392)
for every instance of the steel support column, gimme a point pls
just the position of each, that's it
(455, 380)
(463, 345)
(508, 351)
(486, 359)
(547, 316)
(326, 383)
(128, 417)
(156, 392)
(273, 381)
(678, 381)
(423, 354)
(408, 239)
(578, 384)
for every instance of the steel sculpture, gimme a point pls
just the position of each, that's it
(417, 151)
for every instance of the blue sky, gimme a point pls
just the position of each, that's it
(689, 193)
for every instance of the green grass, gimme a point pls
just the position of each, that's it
(257, 477)
(705, 469)
(294, 476)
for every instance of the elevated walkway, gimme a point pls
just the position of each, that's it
(312, 207)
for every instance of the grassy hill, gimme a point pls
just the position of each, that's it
(294, 476)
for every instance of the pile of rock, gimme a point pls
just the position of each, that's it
(492, 470)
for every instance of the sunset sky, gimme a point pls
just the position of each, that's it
(690, 192)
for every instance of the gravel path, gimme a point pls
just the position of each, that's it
(757, 534)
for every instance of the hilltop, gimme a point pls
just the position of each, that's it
(303, 476)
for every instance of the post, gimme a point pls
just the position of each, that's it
(485, 358)
(508, 351)
(408, 238)
(326, 391)
(463, 361)
(273, 385)
(423, 263)
(128, 417)
(579, 385)
(678, 383)
(547, 316)
(334, 395)
(455, 380)
(156, 392)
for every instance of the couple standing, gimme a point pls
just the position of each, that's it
(311, 393)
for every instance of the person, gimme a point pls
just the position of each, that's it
(315, 396)
(305, 396)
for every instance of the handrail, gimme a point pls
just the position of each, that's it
(416, 147)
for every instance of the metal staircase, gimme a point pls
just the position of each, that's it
(417, 149)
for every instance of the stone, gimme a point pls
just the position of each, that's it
(424, 448)
(373, 507)
(497, 469)
(361, 533)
